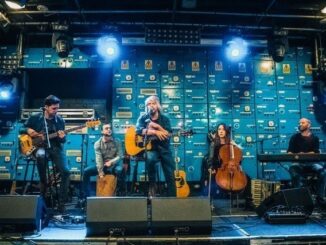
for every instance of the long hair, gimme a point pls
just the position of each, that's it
(153, 98)
(217, 140)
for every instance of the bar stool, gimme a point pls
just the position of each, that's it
(141, 158)
(51, 177)
(136, 159)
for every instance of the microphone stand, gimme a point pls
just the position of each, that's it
(46, 129)
(48, 147)
(145, 154)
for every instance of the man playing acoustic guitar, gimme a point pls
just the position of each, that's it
(35, 128)
(155, 126)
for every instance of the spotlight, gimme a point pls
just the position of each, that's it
(236, 49)
(20, 4)
(108, 47)
(62, 43)
(7, 88)
(278, 45)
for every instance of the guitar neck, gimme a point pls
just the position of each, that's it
(53, 135)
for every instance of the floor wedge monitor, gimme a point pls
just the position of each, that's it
(181, 216)
(22, 213)
(296, 198)
(119, 216)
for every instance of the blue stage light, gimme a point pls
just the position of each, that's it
(6, 90)
(236, 49)
(108, 47)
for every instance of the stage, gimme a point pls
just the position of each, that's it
(240, 227)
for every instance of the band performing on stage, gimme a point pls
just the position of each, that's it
(43, 135)
(166, 122)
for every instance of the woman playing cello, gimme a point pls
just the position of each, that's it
(225, 163)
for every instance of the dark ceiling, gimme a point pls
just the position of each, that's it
(213, 18)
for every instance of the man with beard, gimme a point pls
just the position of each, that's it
(155, 125)
(305, 142)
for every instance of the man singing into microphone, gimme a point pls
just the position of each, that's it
(156, 126)
(107, 157)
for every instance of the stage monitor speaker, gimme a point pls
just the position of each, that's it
(289, 198)
(108, 216)
(181, 216)
(22, 213)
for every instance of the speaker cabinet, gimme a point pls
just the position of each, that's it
(289, 198)
(181, 215)
(116, 216)
(21, 213)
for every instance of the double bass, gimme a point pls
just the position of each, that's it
(230, 176)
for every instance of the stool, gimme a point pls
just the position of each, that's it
(140, 158)
(51, 177)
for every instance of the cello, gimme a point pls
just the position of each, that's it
(230, 176)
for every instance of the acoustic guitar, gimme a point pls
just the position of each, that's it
(135, 143)
(182, 186)
(29, 144)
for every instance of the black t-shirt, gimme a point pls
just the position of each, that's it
(299, 143)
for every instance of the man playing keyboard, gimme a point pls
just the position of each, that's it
(306, 142)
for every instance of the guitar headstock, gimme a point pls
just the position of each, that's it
(93, 123)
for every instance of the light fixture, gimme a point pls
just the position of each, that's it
(108, 47)
(16, 5)
(172, 35)
(236, 48)
(7, 87)
(323, 10)
(278, 44)
(62, 43)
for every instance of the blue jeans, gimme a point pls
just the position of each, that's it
(165, 157)
(58, 158)
(299, 171)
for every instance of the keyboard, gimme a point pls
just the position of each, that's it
(292, 157)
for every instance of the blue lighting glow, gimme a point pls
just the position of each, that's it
(236, 49)
(108, 47)
(4, 95)
(6, 90)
